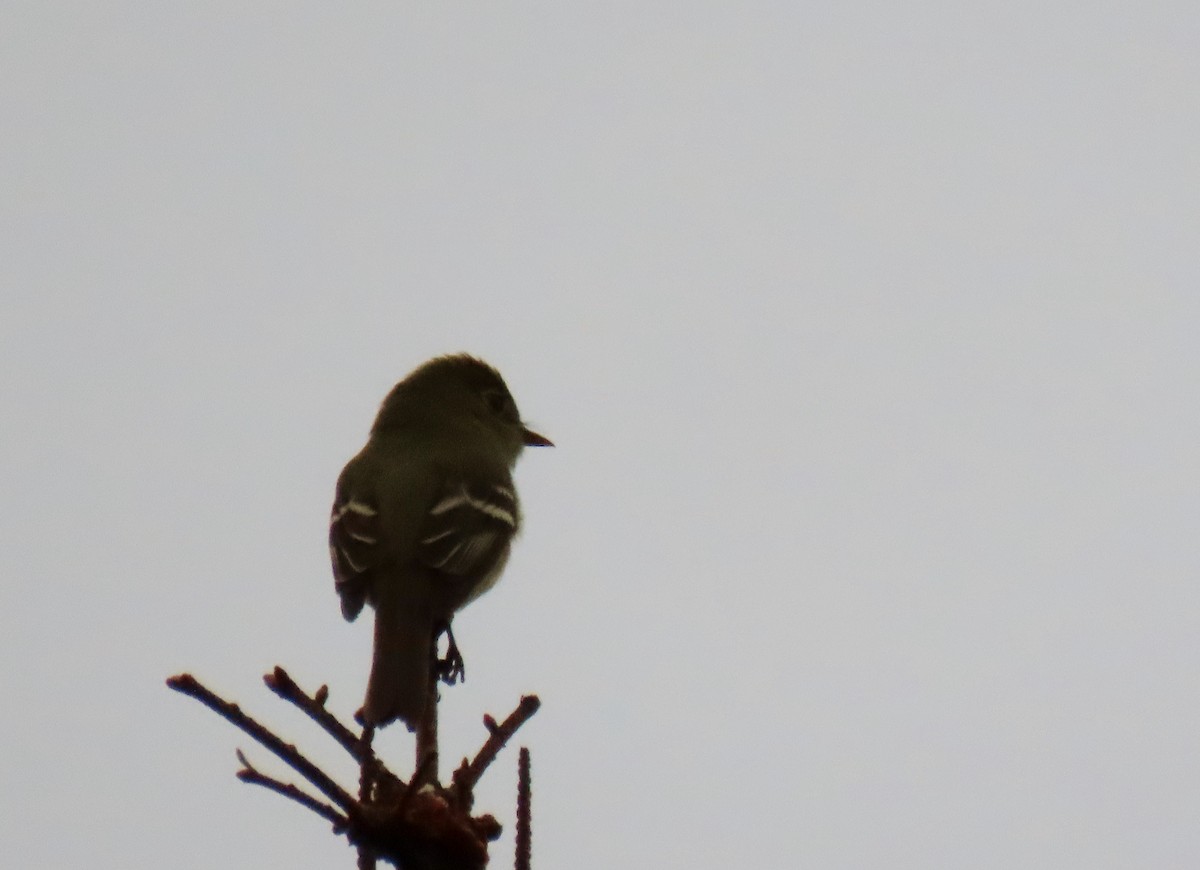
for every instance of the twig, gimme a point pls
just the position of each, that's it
(415, 825)
(366, 859)
(467, 775)
(366, 785)
(356, 746)
(188, 685)
(249, 773)
(425, 765)
(524, 833)
(281, 683)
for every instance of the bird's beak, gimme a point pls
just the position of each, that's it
(533, 439)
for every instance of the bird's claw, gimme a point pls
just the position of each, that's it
(451, 668)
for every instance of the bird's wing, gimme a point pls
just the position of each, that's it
(355, 536)
(468, 527)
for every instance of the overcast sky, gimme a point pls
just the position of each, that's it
(867, 333)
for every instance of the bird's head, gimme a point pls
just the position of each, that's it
(453, 392)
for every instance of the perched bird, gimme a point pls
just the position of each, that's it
(423, 519)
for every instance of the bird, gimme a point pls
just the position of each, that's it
(423, 520)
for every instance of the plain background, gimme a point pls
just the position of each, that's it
(867, 333)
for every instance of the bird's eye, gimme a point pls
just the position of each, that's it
(498, 402)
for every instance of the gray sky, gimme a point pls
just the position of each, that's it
(867, 335)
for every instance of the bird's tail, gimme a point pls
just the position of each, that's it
(401, 663)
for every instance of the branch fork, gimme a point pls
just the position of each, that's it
(417, 825)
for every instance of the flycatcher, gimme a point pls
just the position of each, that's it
(424, 517)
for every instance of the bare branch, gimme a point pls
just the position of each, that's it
(249, 773)
(415, 824)
(464, 779)
(188, 685)
(524, 833)
(281, 683)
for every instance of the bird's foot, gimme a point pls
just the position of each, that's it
(451, 668)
